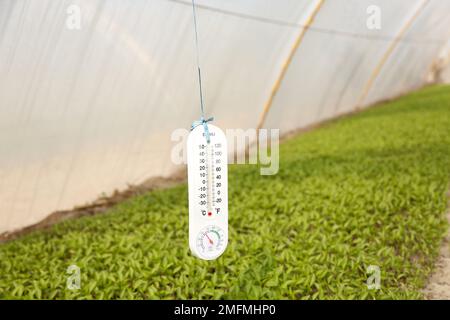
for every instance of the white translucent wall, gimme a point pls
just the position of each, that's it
(86, 112)
(330, 72)
(411, 61)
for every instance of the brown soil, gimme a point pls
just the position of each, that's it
(438, 287)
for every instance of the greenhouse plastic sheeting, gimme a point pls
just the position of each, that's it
(88, 111)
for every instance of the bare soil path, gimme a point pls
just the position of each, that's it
(438, 287)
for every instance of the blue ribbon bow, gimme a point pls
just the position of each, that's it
(203, 122)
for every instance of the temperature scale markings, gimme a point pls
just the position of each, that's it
(209, 179)
(213, 193)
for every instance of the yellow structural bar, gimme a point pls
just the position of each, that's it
(388, 53)
(287, 62)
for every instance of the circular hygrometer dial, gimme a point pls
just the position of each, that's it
(210, 242)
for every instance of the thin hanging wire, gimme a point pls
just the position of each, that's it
(198, 59)
(203, 121)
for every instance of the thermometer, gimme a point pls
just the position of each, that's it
(208, 192)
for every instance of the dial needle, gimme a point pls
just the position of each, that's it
(210, 241)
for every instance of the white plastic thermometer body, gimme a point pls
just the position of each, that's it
(208, 192)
